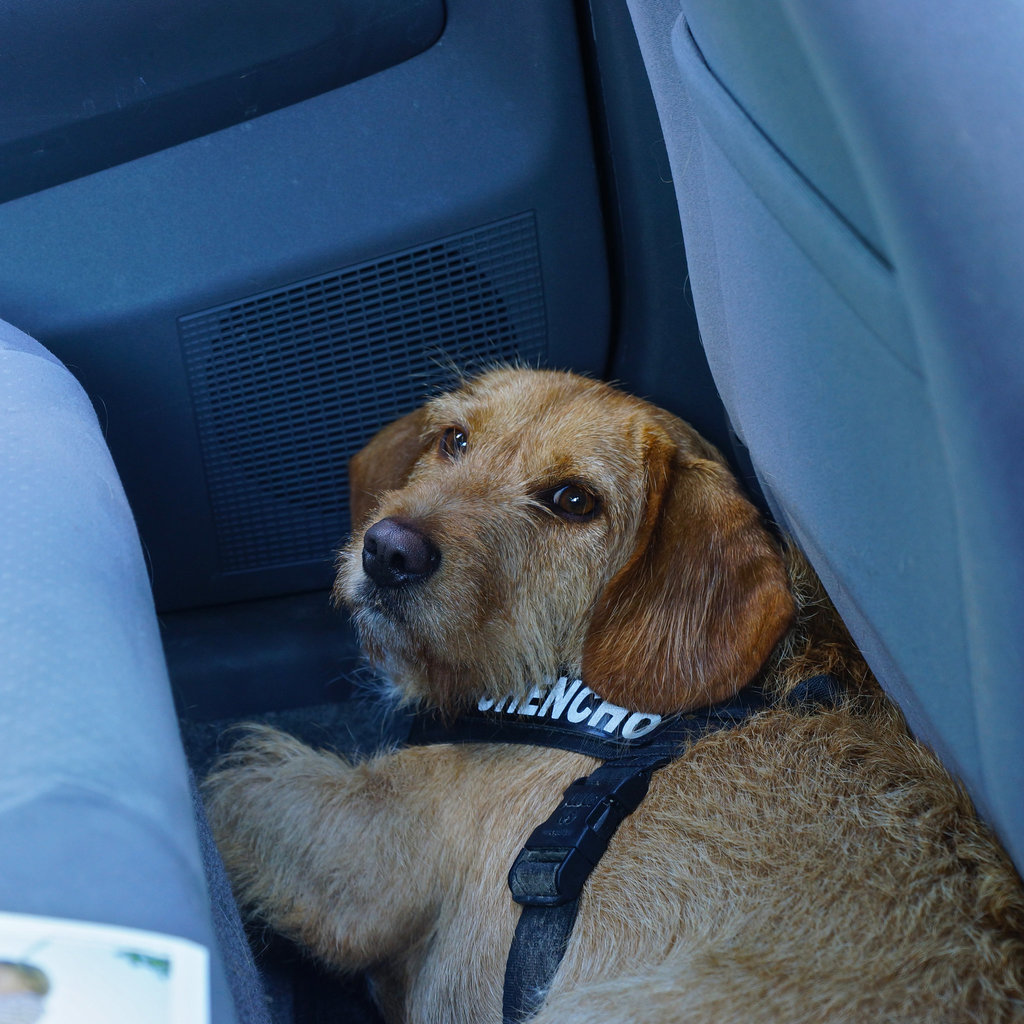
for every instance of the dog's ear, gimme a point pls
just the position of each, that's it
(384, 464)
(697, 609)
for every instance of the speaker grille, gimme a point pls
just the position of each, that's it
(288, 384)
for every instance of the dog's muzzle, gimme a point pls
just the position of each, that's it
(397, 554)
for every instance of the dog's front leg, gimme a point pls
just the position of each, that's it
(341, 858)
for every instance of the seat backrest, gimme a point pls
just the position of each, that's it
(850, 189)
(96, 812)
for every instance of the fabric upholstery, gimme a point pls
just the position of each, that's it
(95, 807)
(849, 191)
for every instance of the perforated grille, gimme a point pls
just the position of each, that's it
(288, 384)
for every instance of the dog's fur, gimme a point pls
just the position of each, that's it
(802, 867)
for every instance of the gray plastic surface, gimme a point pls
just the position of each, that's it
(489, 123)
(87, 85)
(657, 350)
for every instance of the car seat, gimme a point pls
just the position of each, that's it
(848, 176)
(99, 820)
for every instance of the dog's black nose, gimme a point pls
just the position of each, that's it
(396, 554)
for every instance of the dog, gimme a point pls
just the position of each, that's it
(805, 865)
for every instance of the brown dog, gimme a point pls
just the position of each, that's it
(803, 866)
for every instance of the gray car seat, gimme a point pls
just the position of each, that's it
(850, 181)
(96, 809)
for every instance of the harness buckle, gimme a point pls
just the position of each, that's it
(560, 854)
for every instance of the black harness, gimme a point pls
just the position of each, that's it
(548, 876)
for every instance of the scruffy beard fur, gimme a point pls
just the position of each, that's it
(803, 867)
(497, 617)
(451, 638)
(523, 594)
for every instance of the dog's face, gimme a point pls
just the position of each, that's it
(535, 524)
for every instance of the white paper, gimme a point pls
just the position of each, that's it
(72, 972)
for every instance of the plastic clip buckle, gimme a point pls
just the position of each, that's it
(560, 854)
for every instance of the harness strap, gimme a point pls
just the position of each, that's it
(538, 946)
(560, 854)
(499, 722)
(548, 876)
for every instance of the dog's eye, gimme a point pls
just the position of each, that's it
(454, 442)
(572, 501)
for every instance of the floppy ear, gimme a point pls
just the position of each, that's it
(384, 464)
(696, 611)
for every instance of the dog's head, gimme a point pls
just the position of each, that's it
(534, 524)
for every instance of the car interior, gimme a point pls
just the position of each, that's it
(237, 239)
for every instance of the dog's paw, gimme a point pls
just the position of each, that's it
(248, 792)
(263, 801)
(262, 750)
(262, 761)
